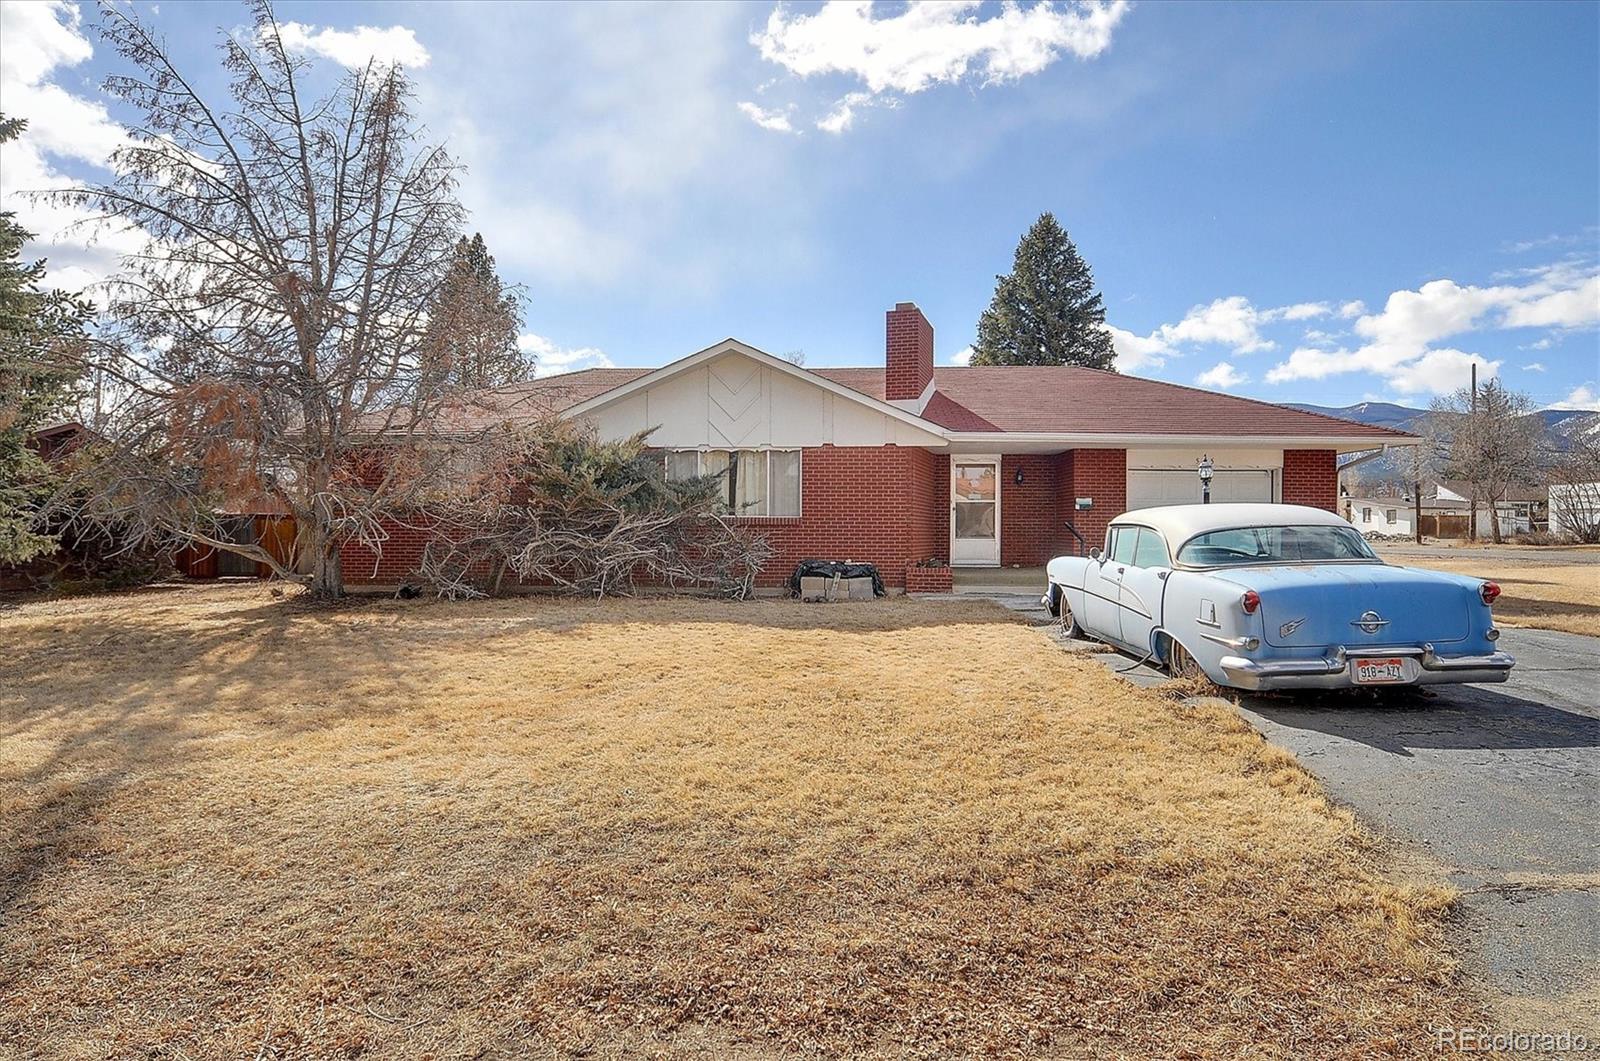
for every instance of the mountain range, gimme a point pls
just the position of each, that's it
(1558, 427)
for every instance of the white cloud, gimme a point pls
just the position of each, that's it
(1231, 321)
(41, 40)
(775, 120)
(1440, 372)
(1539, 344)
(632, 143)
(1301, 311)
(1221, 376)
(1436, 310)
(928, 44)
(843, 115)
(1353, 308)
(1400, 340)
(1585, 398)
(386, 46)
(1534, 366)
(1575, 307)
(550, 359)
(1137, 351)
(962, 356)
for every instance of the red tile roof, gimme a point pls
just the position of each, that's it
(1042, 400)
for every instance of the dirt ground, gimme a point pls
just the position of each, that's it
(239, 826)
(1556, 589)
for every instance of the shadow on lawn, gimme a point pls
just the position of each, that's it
(1454, 718)
(74, 783)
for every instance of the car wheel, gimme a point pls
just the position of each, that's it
(1069, 622)
(1180, 664)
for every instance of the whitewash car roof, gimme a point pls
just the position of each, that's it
(1179, 523)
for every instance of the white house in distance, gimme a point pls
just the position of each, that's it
(1381, 515)
(1572, 505)
(1517, 511)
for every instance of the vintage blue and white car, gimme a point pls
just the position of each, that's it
(1274, 597)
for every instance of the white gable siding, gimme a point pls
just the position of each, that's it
(736, 402)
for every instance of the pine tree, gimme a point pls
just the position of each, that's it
(1046, 310)
(474, 321)
(41, 350)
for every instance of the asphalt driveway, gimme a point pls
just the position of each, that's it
(1498, 787)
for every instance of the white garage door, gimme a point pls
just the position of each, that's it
(1147, 489)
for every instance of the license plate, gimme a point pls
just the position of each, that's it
(1379, 671)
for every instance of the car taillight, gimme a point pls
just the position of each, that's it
(1489, 591)
(1250, 601)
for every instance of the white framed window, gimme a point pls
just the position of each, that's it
(1366, 515)
(755, 482)
(1389, 514)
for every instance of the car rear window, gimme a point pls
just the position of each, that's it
(1268, 545)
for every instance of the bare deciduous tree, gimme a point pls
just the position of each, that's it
(554, 506)
(272, 327)
(1493, 442)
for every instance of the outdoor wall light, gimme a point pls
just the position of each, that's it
(1018, 477)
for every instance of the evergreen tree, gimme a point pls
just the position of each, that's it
(1046, 310)
(474, 321)
(41, 358)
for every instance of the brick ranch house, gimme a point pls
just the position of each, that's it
(982, 466)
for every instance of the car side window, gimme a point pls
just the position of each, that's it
(1151, 550)
(1124, 544)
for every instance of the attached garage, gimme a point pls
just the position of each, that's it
(1149, 487)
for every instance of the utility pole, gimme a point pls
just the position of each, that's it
(1416, 518)
(1472, 425)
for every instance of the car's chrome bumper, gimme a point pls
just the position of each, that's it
(1422, 666)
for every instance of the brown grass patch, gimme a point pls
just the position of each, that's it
(1552, 596)
(403, 829)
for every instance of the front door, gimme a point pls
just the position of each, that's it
(975, 511)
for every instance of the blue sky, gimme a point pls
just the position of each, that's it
(1298, 202)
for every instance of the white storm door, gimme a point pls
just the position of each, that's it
(975, 511)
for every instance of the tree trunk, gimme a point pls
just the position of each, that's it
(327, 575)
(1494, 521)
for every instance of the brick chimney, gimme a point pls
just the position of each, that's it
(908, 362)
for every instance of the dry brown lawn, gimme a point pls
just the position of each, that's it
(241, 827)
(1552, 596)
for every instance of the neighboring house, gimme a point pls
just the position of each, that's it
(1574, 508)
(904, 462)
(1523, 509)
(1381, 515)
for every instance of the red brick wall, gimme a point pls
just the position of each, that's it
(908, 357)
(401, 553)
(1030, 519)
(1098, 473)
(929, 580)
(930, 505)
(1311, 477)
(884, 505)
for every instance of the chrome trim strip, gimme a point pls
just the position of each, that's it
(1249, 644)
(1431, 660)
(1334, 673)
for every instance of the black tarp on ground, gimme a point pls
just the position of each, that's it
(830, 568)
